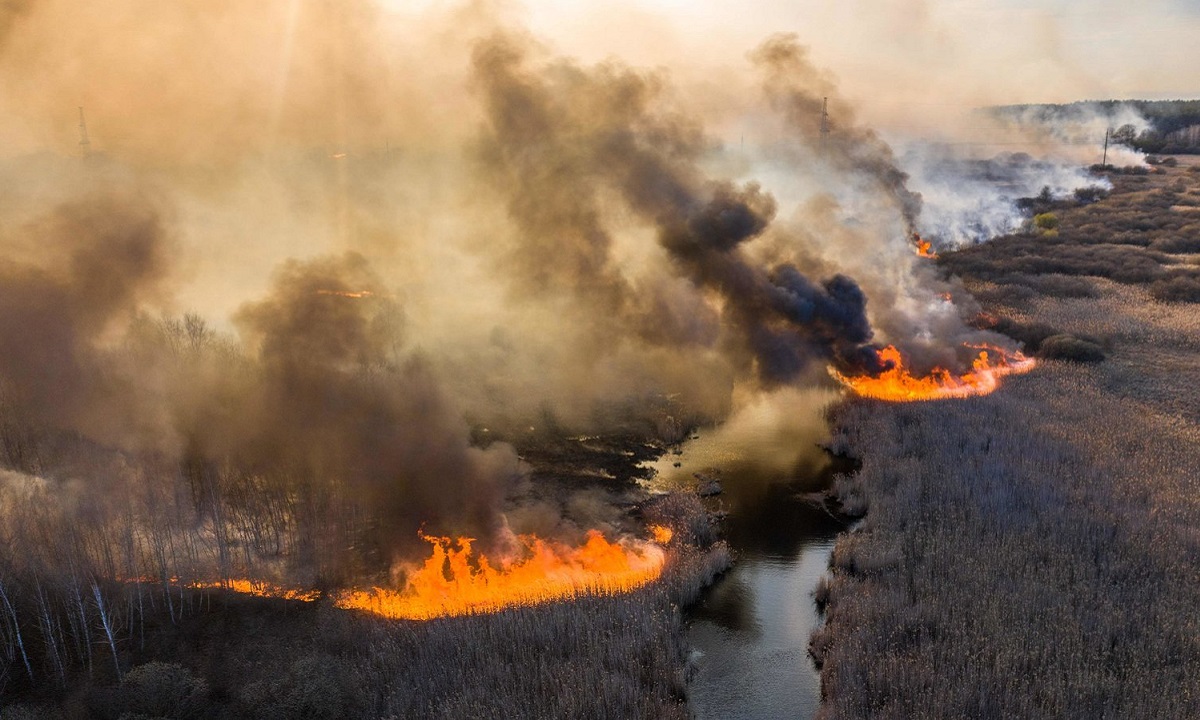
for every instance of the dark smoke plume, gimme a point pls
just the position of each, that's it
(798, 89)
(95, 260)
(340, 399)
(620, 142)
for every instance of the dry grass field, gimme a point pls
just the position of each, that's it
(1034, 553)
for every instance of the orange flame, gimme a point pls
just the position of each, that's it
(258, 589)
(900, 385)
(924, 247)
(460, 582)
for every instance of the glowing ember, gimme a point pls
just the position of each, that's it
(661, 534)
(459, 582)
(924, 247)
(259, 589)
(900, 385)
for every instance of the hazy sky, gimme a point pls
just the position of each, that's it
(953, 52)
(232, 68)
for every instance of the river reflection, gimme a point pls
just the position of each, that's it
(749, 632)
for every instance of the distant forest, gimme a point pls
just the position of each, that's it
(1174, 124)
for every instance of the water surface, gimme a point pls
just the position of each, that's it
(749, 631)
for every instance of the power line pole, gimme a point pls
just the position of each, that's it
(1104, 161)
(85, 145)
(824, 121)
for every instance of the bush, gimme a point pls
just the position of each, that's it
(311, 688)
(1069, 347)
(1181, 288)
(1090, 194)
(1031, 335)
(162, 690)
(1045, 222)
(28, 712)
(1177, 244)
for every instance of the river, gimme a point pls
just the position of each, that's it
(749, 631)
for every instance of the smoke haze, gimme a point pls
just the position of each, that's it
(317, 244)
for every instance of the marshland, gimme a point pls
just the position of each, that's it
(443, 359)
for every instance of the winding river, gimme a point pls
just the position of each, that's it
(749, 631)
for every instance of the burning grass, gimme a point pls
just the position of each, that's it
(899, 384)
(923, 247)
(1029, 553)
(459, 581)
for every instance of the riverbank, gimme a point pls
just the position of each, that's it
(1032, 553)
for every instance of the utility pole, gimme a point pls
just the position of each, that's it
(824, 121)
(85, 145)
(1104, 160)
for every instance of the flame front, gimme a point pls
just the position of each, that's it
(259, 589)
(899, 384)
(460, 582)
(923, 246)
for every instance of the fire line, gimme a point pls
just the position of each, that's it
(460, 581)
(899, 384)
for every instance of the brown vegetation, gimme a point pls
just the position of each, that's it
(1030, 554)
(1142, 233)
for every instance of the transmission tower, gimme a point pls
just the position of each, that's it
(85, 145)
(824, 121)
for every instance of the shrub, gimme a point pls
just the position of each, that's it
(311, 688)
(1090, 194)
(162, 690)
(28, 712)
(1045, 222)
(1177, 244)
(1069, 347)
(1180, 288)
(1030, 334)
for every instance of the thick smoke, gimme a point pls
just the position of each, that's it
(799, 90)
(290, 286)
(342, 400)
(72, 276)
(969, 200)
(774, 320)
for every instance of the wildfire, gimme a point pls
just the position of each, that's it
(459, 581)
(924, 247)
(900, 385)
(259, 589)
